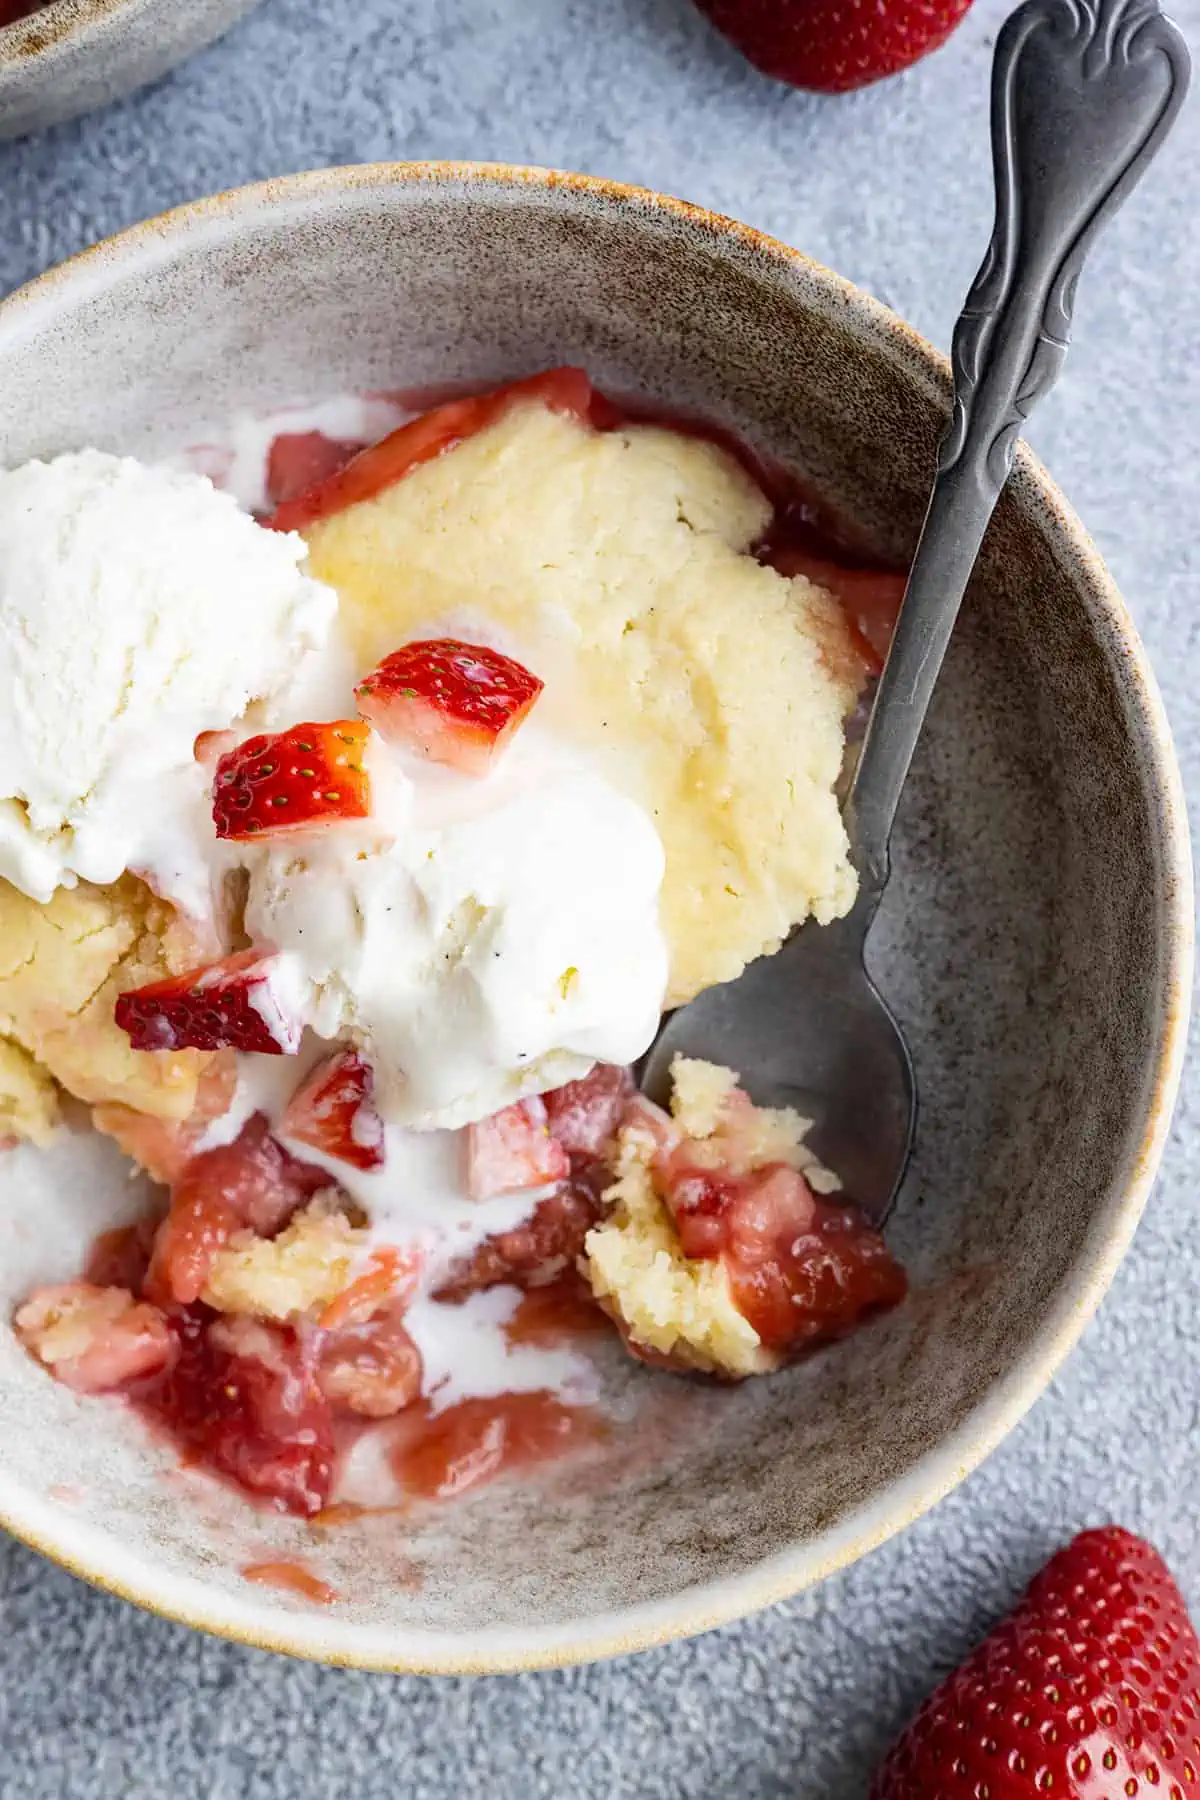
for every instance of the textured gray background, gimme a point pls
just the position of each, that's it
(891, 187)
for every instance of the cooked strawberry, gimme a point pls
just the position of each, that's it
(585, 1114)
(243, 1399)
(829, 46)
(303, 779)
(391, 1276)
(371, 1366)
(512, 1151)
(121, 1257)
(455, 703)
(243, 1002)
(370, 472)
(94, 1338)
(802, 1270)
(252, 1184)
(651, 1121)
(442, 1455)
(332, 1110)
(546, 1247)
(1088, 1688)
(559, 1313)
(300, 460)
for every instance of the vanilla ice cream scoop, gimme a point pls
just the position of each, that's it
(139, 607)
(495, 939)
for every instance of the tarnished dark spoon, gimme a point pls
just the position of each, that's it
(1083, 94)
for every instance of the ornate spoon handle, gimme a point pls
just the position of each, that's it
(1083, 94)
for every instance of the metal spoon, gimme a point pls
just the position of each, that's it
(1083, 94)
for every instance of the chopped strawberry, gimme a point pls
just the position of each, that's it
(802, 1270)
(371, 471)
(458, 704)
(332, 1110)
(304, 779)
(584, 1115)
(445, 1454)
(300, 460)
(870, 598)
(252, 1184)
(372, 1366)
(240, 1003)
(93, 1338)
(546, 1247)
(243, 1399)
(1086, 1691)
(391, 1277)
(512, 1151)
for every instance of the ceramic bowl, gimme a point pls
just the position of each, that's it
(73, 55)
(1035, 940)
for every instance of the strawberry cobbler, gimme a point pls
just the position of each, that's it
(361, 810)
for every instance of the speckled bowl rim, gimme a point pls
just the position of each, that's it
(56, 24)
(320, 1636)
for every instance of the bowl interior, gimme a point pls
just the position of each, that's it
(1026, 938)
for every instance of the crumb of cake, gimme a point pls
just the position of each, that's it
(681, 1307)
(92, 1338)
(62, 965)
(708, 1106)
(664, 1301)
(164, 1147)
(310, 1263)
(28, 1097)
(716, 689)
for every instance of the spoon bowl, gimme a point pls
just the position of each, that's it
(818, 1035)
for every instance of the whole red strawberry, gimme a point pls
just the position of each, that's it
(1087, 1691)
(834, 45)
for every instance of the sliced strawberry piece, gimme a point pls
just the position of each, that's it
(585, 1115)
(368, 474)
(455, 703)
(244, 1002)
(444, 1455)
(332, 1110)
(93, 1338)
(1087, 1691)
(371, 1366)
(304, 779)
(546, 1247)
(243, 1400)
(300, 460)
(512, 1151)
(252, 1184)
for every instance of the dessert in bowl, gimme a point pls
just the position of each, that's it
(382, 1061)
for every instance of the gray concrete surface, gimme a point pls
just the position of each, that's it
(892, 188)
